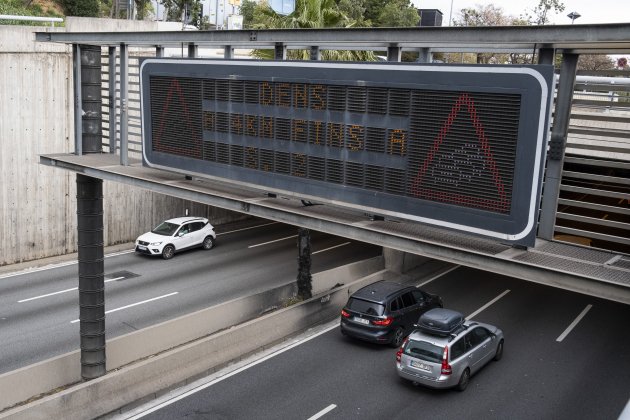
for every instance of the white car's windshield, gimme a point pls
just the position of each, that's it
(166, 229)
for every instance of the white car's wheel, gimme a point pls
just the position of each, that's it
(208, 242)
(168, 252)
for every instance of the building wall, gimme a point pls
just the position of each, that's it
(37, 202)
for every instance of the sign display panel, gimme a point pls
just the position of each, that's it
(454, 146)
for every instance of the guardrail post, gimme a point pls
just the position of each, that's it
(228, 52)
(316, 53)
(394, 52)
(280, 51)
(193, 50)
(557, 145)
(424, 55)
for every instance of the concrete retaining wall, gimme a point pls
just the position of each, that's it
(38, 203)
(33, 380)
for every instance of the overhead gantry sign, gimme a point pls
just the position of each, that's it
(461, 147)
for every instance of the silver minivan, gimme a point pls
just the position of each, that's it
(449, 361)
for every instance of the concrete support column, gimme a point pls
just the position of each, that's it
(557, 145)
(401, 262)
(91, 276)
(304, 278)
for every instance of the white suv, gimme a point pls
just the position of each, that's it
(175, 235)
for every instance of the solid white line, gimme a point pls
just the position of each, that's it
(247, 228)
(438, 276)
(201, 387)
(332, 247)
(574, 323)
(487, 304)
(133, 304)
(326, 410)
(60, 292)
(270, 242)
(58, 265)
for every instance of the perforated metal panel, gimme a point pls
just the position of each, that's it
(395, 141)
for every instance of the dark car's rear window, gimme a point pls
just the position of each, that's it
(425, 351)
(365, 307)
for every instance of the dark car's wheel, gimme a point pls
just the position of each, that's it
(397, 339)
(499, 354)
(208, 242)
(168, 252)
(464, 380)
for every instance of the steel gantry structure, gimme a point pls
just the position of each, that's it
(114, 153)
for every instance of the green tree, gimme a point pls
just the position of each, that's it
(143, 9)
(85, 8)
(393, 15)
(185, 11)
(248, 8)
(308, 14)
(353, 9)
(594, 62)
(381, 12)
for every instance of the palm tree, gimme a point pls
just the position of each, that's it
(308, 14)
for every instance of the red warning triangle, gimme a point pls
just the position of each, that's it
(500, 204)
(176, 134)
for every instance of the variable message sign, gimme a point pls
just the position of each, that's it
(454, 146)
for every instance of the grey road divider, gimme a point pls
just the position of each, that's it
(145, 364)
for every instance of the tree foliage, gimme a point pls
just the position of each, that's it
(85, 8)
(595, 62)
(308, 14)
(540, 15)
(388, 13)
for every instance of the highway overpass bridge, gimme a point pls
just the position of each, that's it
(109, 146)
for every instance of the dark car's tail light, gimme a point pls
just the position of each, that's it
(383, 322)
(345, 314)
(446, 368)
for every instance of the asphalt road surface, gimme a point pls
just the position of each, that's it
(567, 356)
(39, 309)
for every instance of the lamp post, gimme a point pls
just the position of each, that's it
(573, 16)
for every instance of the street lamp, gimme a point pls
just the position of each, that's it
(573, 16)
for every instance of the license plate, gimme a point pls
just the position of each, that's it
(361, 320)
(421, 366)
(142, 247)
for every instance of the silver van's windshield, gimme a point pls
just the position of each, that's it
(423, 350)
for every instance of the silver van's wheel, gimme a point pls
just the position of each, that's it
(464, 380)
(499, 354)
(168, 252)
(208, 242)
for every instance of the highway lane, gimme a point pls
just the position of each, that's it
(39, 310)
(556, 365)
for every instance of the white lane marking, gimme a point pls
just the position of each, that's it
(325, 411)
(133, 304)
(484, 307)
(247, 228)
(202, 386)
(58, 265)
(332, 247)
(574, 323)
(270, 242)
(438, 276)
(625, 414)
(61, 291)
